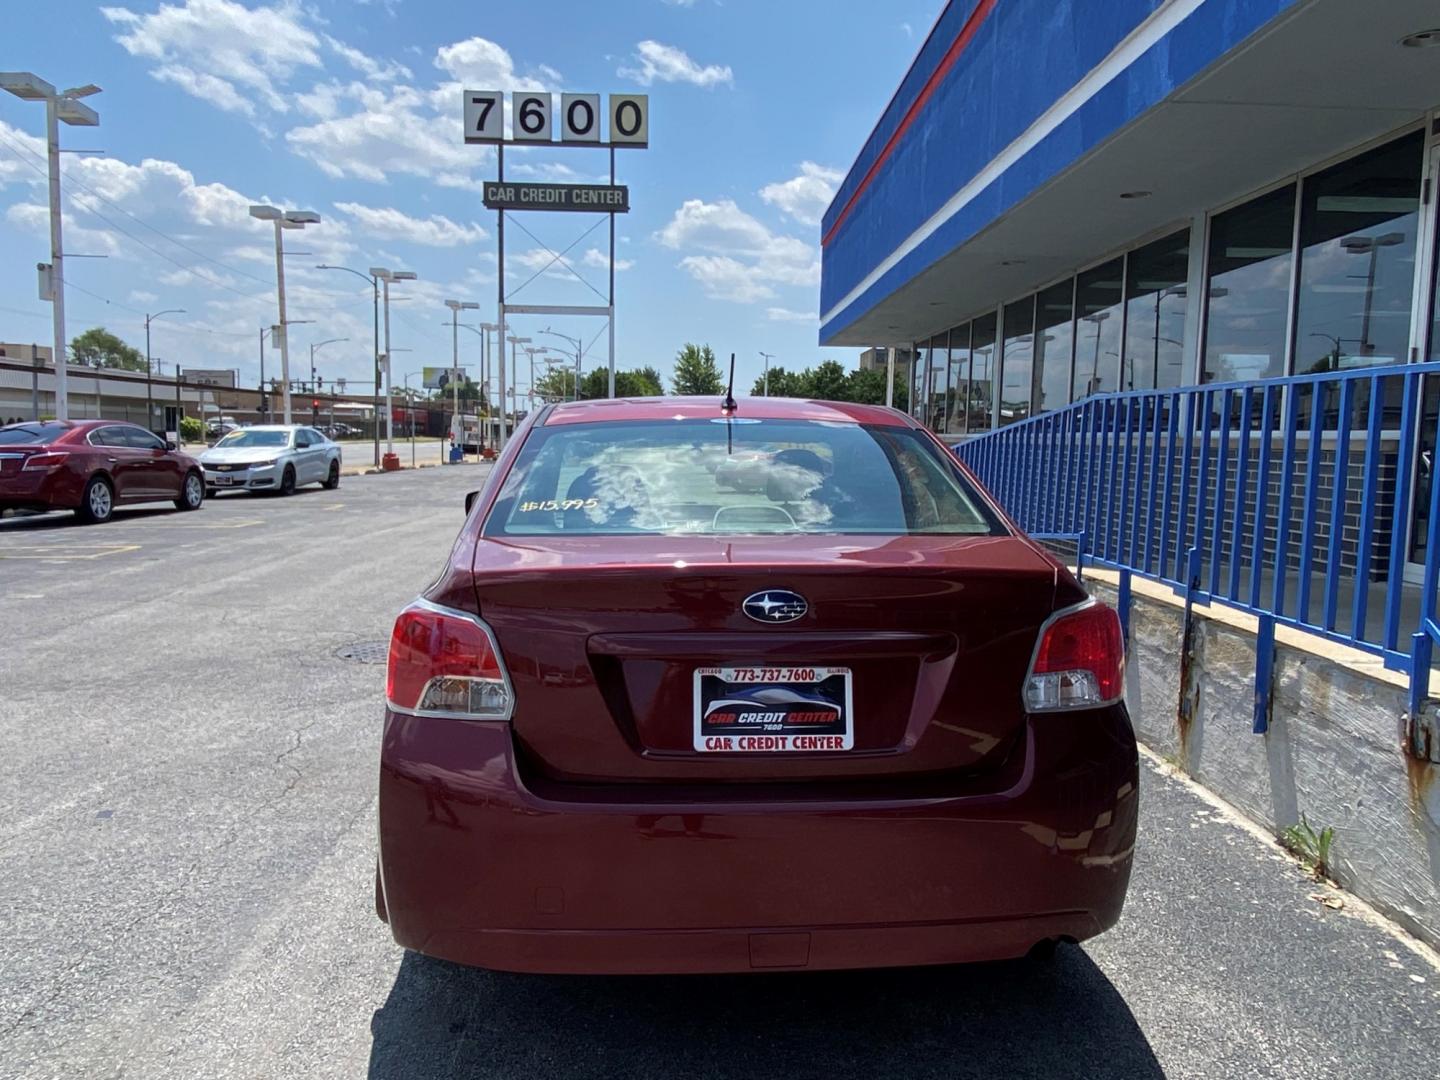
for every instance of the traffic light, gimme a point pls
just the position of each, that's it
(314, 410)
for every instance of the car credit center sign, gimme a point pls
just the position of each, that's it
(592, 198)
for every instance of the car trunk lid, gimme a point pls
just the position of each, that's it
(603, 637)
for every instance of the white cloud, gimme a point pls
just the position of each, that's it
(394, 130)
(724, 278)
(656, 61)
(780, 314)
(434, 231)
(369, 132)
(379, 70)
(221, 51)
(738, 257)
(34, 218)
(804, 197)
(680, 3)
(481, 64)
(600, 261)
(140, 296)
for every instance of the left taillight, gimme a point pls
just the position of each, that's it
(1079, 660)
(45, 462)
(445, 662)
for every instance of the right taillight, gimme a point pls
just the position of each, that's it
(45, 462)
(1079, 660)
(445, 662)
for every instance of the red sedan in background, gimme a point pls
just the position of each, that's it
(92, 466)
(848, 718)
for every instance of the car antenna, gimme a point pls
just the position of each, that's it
(728, 405)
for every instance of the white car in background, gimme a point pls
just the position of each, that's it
(272, 457)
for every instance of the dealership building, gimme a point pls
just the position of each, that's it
(1067, 197)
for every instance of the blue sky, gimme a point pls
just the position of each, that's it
(351, 108)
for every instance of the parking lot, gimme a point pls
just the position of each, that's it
(187, 775)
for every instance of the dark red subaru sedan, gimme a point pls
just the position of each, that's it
(92, 466)
(849, 717)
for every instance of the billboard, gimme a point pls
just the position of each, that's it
(441, 378)
(211, 377)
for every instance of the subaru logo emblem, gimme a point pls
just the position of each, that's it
(775, 606)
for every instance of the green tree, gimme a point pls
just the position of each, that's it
(696, 371)
(652, 378)
(866, 387)
(827, 382)
(99, 348)
(783, 383)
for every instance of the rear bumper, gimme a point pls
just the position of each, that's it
(479, 869)
(36, 490)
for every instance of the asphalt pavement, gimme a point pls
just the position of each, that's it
(187, 801)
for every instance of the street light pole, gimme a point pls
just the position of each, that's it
(284, 219)
(768, 357)
(387, 276)
(63, 105)
(374, 386)
(149, 386)
(314, 347)
(579, 350)
(515, 343)
(457, 428)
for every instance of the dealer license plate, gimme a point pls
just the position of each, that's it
(773, 710)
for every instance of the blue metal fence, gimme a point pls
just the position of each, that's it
(1293, 499)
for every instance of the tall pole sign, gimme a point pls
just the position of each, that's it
(580, 121)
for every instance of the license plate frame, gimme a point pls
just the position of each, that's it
(773, 709)
(223, 480)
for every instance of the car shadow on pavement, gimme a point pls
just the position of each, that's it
(65, 519)
(1020, 1019)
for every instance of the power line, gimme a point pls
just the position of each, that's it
(203, 276)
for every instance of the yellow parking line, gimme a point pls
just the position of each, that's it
(335, 506)
(56, 552)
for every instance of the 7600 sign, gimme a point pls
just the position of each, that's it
(533, 118)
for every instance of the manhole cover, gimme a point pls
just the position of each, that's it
(365, 652)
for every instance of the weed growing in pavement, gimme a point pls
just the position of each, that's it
(1310, 847)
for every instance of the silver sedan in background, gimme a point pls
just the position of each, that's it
(273, 457)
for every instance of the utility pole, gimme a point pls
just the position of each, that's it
(768, 357)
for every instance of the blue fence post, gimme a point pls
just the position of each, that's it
(1122, 604)
(1420, 648)
(1264, 672)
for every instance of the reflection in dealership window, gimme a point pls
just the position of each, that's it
(1249, 289)
(936, 379)
(1155, 297)
(1054, 339)
(979, 412)
(1017, 361)
(1098, 312)
(959, 379)
(1359, 222)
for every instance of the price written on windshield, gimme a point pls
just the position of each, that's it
(534, 118)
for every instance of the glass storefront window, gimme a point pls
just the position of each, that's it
(1017, 360)
(936, 381)
(1359, 226)
(1098, 314)
(919, 369)
(959, 379)
(1155, 278)
(1249, 289)
(1054, 343)
(979, 410)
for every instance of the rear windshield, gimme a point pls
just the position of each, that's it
(711, 476)
(22, 434)
(256, 438)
